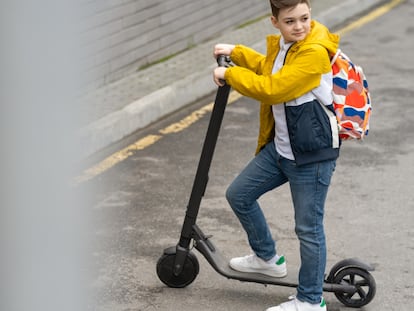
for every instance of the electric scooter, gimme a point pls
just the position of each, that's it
(350, 279)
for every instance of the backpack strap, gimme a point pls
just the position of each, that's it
(333, 59)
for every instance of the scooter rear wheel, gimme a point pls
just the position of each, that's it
(363, 282)
(165, 268)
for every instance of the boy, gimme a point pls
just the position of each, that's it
(298, 143)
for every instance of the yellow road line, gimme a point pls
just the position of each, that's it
(187, 121)
(370, 17)
(116, 158)
(196, 115)
(179, 126)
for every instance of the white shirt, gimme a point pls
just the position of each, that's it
(282, 141)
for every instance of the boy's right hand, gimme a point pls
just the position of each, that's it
(223, 49)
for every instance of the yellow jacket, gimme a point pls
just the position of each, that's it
(304, 65)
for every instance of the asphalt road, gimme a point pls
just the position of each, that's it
(138, 205)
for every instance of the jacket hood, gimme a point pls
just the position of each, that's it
(321, 35)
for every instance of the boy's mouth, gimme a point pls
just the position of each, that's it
(298, 34)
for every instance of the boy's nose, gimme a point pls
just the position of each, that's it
(298, 25)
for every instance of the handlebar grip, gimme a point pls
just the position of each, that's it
(222, 61)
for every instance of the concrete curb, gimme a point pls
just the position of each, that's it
(164, 101)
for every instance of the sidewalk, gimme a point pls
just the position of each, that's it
(125, 106)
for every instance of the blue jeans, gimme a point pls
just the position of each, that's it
(309, 186)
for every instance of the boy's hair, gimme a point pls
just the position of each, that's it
(277, 5)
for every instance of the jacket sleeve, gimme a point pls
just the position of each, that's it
(301, 74)
(248, 58)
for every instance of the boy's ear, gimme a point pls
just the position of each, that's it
(274, 21)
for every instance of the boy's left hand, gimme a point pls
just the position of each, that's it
(218, 74)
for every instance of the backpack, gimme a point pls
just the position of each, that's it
(351, 97)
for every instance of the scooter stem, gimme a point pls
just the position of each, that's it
(201, 177)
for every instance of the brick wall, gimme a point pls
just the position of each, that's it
(120, 36)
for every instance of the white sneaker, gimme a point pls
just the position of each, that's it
(296, 305)
(254, 264)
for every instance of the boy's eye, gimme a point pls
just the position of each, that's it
(291, 21)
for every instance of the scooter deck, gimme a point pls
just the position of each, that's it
(221, 265)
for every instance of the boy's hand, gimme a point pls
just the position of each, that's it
(218, 74)
(223, 49)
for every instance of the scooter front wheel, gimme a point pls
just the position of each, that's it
(364, 283)
(165, 270)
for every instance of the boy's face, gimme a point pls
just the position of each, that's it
(294, 23)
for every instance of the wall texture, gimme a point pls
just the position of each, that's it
(121, 36)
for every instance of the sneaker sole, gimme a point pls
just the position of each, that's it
(261, 271)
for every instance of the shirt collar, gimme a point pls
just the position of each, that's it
(284, 46)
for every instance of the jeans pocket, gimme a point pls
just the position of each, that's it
(325, 172)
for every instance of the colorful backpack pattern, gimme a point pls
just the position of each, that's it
(352, 101)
